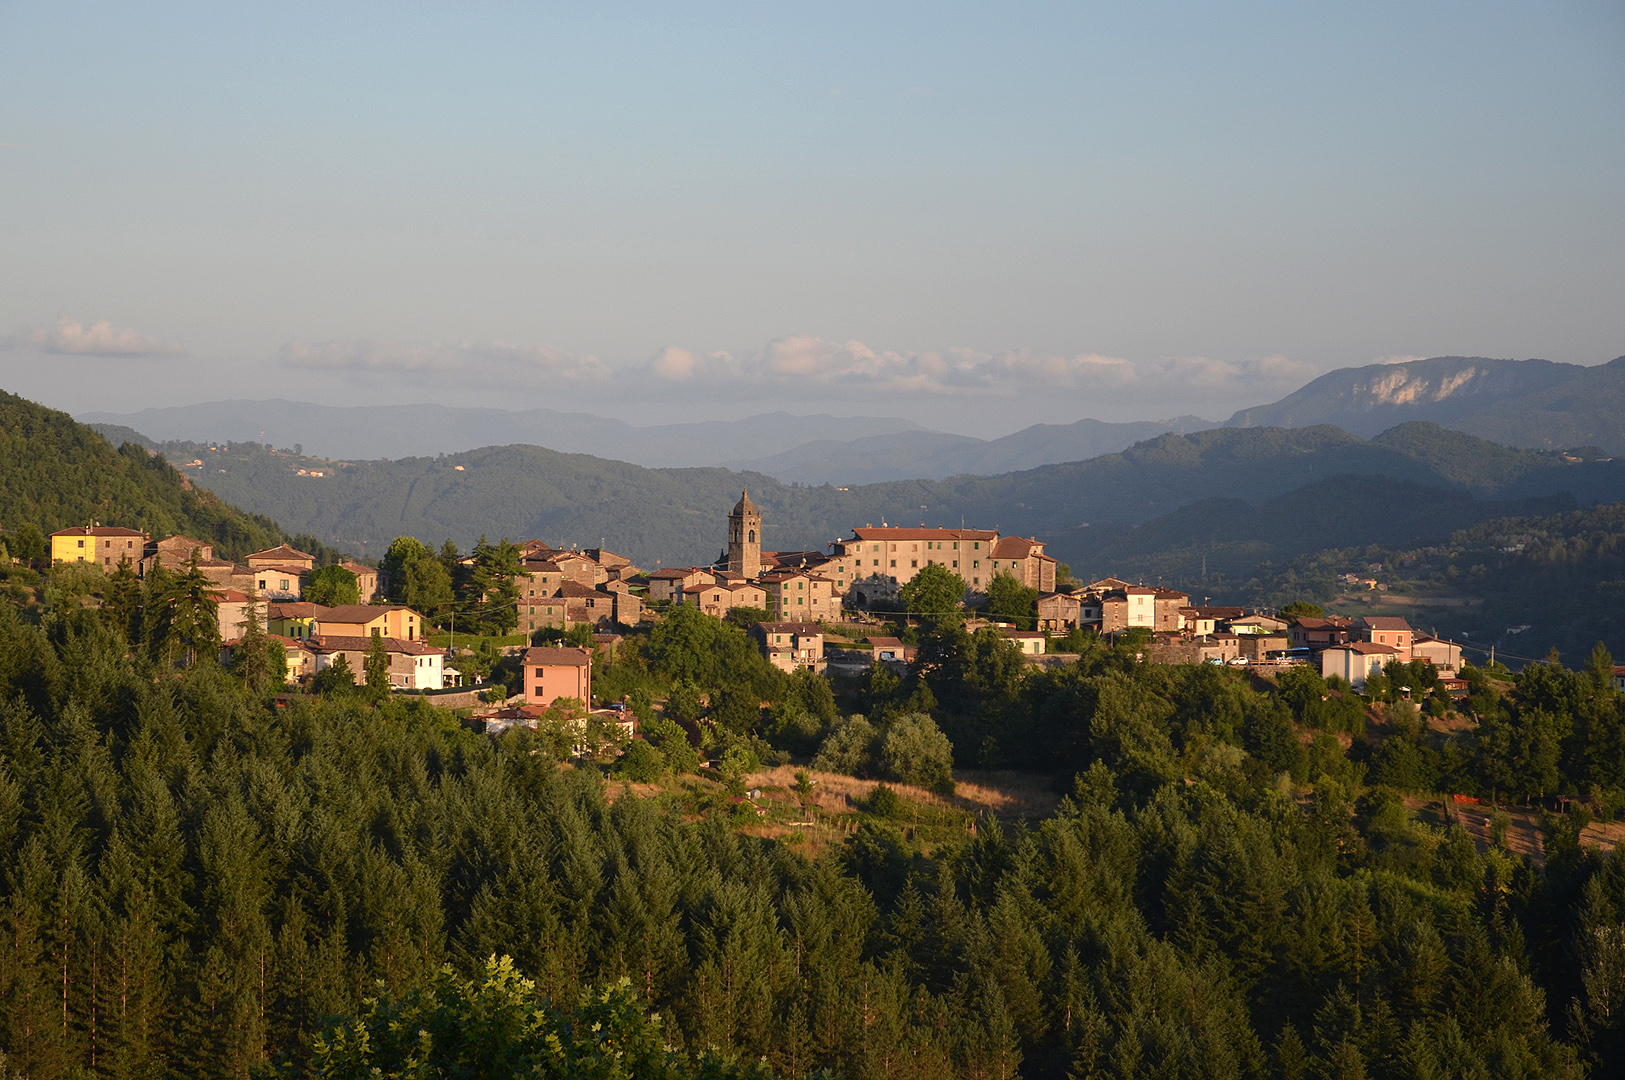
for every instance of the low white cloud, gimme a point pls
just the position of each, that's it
(71, 338)
(525, 365)
(831, 367)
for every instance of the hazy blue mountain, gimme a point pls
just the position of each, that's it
(396, 431)
(1530, 403)
(935, 455)
(675, 516)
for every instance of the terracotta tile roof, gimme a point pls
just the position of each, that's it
(1384, 622)
(356, 568)
(185, 543)
(282, 551)
(777, 576)
(354, 643)
(870, 533)
(228, 596)
(549, 656)
(359, 613)
(1315, 622)
(98, 530)
(884, 642)
(298, 610)
(1227, 613)
(1013, 547)
(541, 566)
(574, 590)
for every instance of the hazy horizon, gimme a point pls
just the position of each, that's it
(975, 219)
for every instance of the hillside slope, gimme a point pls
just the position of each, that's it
(675, 516)
(1529, 403)
(935, 455)
(1215, 544)
(56, 473)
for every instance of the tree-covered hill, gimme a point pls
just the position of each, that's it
(675, 516)
(1527, 584)
(197, 881)
(1230, 539)
(56, 473)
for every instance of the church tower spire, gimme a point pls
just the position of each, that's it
(745, 538)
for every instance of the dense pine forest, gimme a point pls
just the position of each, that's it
(56, 473)
(201, 881)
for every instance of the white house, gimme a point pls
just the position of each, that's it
(412, 664)
(1355, 660)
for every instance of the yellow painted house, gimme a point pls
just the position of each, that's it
(365, 620)
(106, 546)
(293, 620)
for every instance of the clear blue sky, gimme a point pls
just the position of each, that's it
(977, 216)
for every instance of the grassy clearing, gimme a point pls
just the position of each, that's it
(922, 821)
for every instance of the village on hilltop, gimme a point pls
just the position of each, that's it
(804, 596)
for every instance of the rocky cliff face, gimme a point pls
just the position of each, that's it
(1532, 403)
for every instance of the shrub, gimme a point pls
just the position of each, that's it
(883, 801)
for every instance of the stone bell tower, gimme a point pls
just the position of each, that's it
(745, 538)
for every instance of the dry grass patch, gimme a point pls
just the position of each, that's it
(1005, 792)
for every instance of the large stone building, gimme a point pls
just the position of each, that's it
(874, 563)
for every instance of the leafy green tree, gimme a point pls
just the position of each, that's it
(642, 763)
(333, 586)
(1008, 600)
(426, 586)
(746, 617)
(916, 752)
(28, 543)
(402, 552)
(936, 592)
(502, 1025)
(1302, 609)
(849, 748)
(671, 740)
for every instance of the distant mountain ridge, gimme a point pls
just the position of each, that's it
(374, 432)
(675, 516)
(935, 455)
(1529, 403)
(1525, 403)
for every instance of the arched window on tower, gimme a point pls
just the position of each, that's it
(752, 539)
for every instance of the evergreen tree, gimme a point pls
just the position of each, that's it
(376, 668)
(121, 602)
(251, 659)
